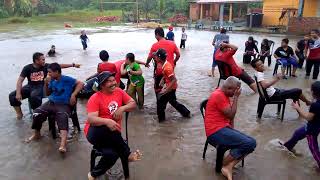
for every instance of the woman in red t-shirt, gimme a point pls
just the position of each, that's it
(103, 127)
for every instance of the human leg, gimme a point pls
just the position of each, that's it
(292, 61)
(214, 63)
(284, 63)
(269, 60)
(132, 91)
(62, 114)
(309, 64)
(162, 101)
(16, 104)
(298, 135)
(140, 93)
(316, 64)
(178, 106)
(313, 146)
(36, 95)
(244, 76)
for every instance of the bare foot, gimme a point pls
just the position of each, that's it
(19, 116)
(135, 156)
(227, 173)
(62, 149)
(90, 177)
(33, 138)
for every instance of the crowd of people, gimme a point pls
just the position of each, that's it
(109, 97)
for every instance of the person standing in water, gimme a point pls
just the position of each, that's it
(170, 34)
(217, 40)
(84, 39)
(184, 37)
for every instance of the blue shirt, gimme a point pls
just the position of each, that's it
(61, 89)
(313, 126)
(170, 36)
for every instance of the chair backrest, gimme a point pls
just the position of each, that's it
(203, 106)
(256, 42)
(262, 91)
(271, 45)
(224, 69)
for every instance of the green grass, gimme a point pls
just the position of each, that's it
(77, 18)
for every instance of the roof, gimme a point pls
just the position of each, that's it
(227, 1)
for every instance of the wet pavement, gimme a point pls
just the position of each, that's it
(172, 150)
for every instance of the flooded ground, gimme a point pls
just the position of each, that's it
(172, 150)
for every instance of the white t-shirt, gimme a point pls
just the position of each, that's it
(260, 77)
(184, 36)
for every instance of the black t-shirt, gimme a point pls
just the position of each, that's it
(264, 48)
(301, 45)
(314, 124)
(51, 53)
(281, 53)
(34, 75)
(83, 37)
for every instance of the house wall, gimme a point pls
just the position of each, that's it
(272, 10)
(194, 11)
(303, 25)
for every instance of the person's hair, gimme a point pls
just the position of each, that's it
(36, 56)
(223, 31)
(254, 62)
(285, 40)
(315, 31)
(315, 88)
(266, 42)
(250, 38)
(55, 67)
(231, 81)
(104, 55)
(159, 31)
(52, 46)
(130, 57)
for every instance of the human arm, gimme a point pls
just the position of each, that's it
(306, 115)
(123, 70)
(231, 110)
(177, 53)
(136, 70)
(90, 77)
(266, 84)
(231, 46)
(79, 86)
(150, 56)
(214, 41)
(169, 88)
(129, 106)
(95, 120)
(140, 62)
(70, 65)
(19, 87)
(47, 89)
(256, 48)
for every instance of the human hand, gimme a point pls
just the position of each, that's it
(18, 96)
(278, 76)
(47, 79)
(118, 113)
(147, 65)
(112, 125)
(73, 100)
(237, 92)
(295, 105)
(77, 65)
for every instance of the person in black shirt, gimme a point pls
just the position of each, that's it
(84, 38)
(35, 73)
(300, 50)
(286, 57)
(52, 51)
(251, 49)
(265, 51)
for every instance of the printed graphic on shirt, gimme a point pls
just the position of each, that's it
(113, 106)
(37, 76)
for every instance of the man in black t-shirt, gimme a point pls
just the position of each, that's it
(300, 50)
(285, 56)
(35, 73)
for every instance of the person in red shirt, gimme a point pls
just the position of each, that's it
(219, 123)
(313, 59)
(168, 92)
(103, 126)
(173, 56)
(225, 54)
(105, 65)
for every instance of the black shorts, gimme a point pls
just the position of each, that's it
(282, 94)
(244, 76)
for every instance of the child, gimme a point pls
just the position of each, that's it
(52, 51)
(134, 72)
(170, 34)
(311, 129)
(84, 38)
(250, 50)
(274, 93)
(183, 38)
(265, 51)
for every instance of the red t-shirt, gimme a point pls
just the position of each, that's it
(106, 105)
(118, 68)
(106, 66)
(171, 49)
(214, 117)
(168, 72)
(227, 57)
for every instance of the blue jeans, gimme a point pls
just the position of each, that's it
(239, 144)
(289, 61)
(214, 64)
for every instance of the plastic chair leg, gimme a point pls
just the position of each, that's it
(52, 127)
(219, 158)
(205, 149)
(260, 109)
(219, 83)
(279, 109)
(283, 110)
(242, 163)
(275, 71)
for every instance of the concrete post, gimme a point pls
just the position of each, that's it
(230, 12)
(201, 11)
(221, 14)
(301, 7)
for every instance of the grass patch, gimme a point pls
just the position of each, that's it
(17, 20)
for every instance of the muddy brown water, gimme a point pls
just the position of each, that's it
(172, 150)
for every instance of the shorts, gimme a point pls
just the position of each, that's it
(244, 76)
(214, 63)
(239, 144)
(289, 61)
(282, 94)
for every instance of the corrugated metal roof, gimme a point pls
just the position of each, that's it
(227, 1)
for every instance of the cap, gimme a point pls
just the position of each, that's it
(102, 77)
(170, 28)
(161, 53)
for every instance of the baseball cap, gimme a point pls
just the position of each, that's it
(102, 77)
